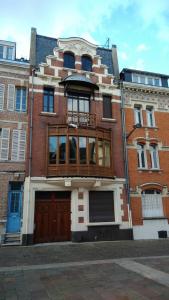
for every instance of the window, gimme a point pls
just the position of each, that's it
(69, 60)
(142, 79)
(152, 204)
(86, 63)
(16, 100)
(20, 104)
(79, 150)
(48, 100)
(150, 117)
(78, 108)
(138, 115)
(18, 145)
(9, 53)
(135, 78)
(141, 156)
(154, 157)
(150, 80)
(4, 143)
(101, 206)
(107, 107)
(1, 52)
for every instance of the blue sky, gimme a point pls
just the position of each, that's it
(139, 28)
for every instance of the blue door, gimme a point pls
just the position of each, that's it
(14, 211)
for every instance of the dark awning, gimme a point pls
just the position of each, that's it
(78, 79)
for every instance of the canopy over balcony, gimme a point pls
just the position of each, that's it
(80, 80)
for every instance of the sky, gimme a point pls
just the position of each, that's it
(139, 28)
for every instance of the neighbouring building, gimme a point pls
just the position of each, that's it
(75, 185)
(14, 76)
(146, 104)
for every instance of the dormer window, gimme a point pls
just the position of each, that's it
(7, 50)
(143, 79)
(69, 60)
(86, 63)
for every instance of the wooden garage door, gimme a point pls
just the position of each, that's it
(52, 217)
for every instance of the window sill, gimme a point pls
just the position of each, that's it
(48, 114)
(109, 120)
(149, 170)
(103, 223)
(155, 170)
(150, 127)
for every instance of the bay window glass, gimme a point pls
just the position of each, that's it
(62, 149)
(92, 151)
(72, 149)
(107, 153)
(100, 152)
(82, 150)
(52, 149)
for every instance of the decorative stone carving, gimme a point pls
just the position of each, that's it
(78, 46)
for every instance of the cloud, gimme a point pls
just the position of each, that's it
(140, 64)
(141, 48)
(123, 55)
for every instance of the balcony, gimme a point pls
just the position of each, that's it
(81, 119)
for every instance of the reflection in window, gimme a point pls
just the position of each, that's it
(52, 149)
(92, 151)
(82, 150)
(62, 149)
(72, 149)
(100, 152)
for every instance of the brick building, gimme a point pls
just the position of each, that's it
(146, 106)
(75, 185)
(14, 75)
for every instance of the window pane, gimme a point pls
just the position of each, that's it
(107, 107)
(70, 105)
(48, 100)
(107, 154)
(81, 105)
(101, 206)
(14, 202)
(92, 151)
(69, 60)
(82, 150)
(142, 79)
(1, 51)
(23, 99)
(86, 63)
(52, 149)
(100, 152)
(9, 52)
(74, 104)
(150, 120)
(137, 113)
(72, 149)
(150, 80)
(135, 78)
(62, 149)
(18, 99)
(157, 81)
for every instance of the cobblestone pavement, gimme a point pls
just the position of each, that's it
(131, 270)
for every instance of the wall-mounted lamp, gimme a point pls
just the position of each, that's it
(138, 125)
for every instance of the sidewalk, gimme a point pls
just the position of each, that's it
(69, 252)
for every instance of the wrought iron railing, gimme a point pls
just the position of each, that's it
(81, 119)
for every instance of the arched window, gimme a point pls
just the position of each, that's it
(141, 154)
(154, 157)
(69, 60)
(86, 63)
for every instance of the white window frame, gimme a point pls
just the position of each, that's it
(6, 45)
(152, 205)
(2, 93)
(150, 116)
(136, 78)
(154, 157)
(137, 111)
(139, 153)
(21, 98)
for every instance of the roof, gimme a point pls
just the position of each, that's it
(79, 79)
(126, 70)
(45, 46)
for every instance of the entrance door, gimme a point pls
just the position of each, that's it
(52, 217)
(14, 211)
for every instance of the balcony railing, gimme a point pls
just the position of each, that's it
(81, 119)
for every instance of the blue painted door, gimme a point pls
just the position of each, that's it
(14, 211)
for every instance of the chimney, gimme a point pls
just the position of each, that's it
(32, 55)
(115, 61)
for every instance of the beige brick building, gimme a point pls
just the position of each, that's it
(14, 74)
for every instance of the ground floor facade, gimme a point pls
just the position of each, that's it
(74, 209)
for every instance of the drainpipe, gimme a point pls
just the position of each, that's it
(31, 124)
(125, 153)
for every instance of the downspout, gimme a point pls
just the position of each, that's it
(31, 124)
(125, 152)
